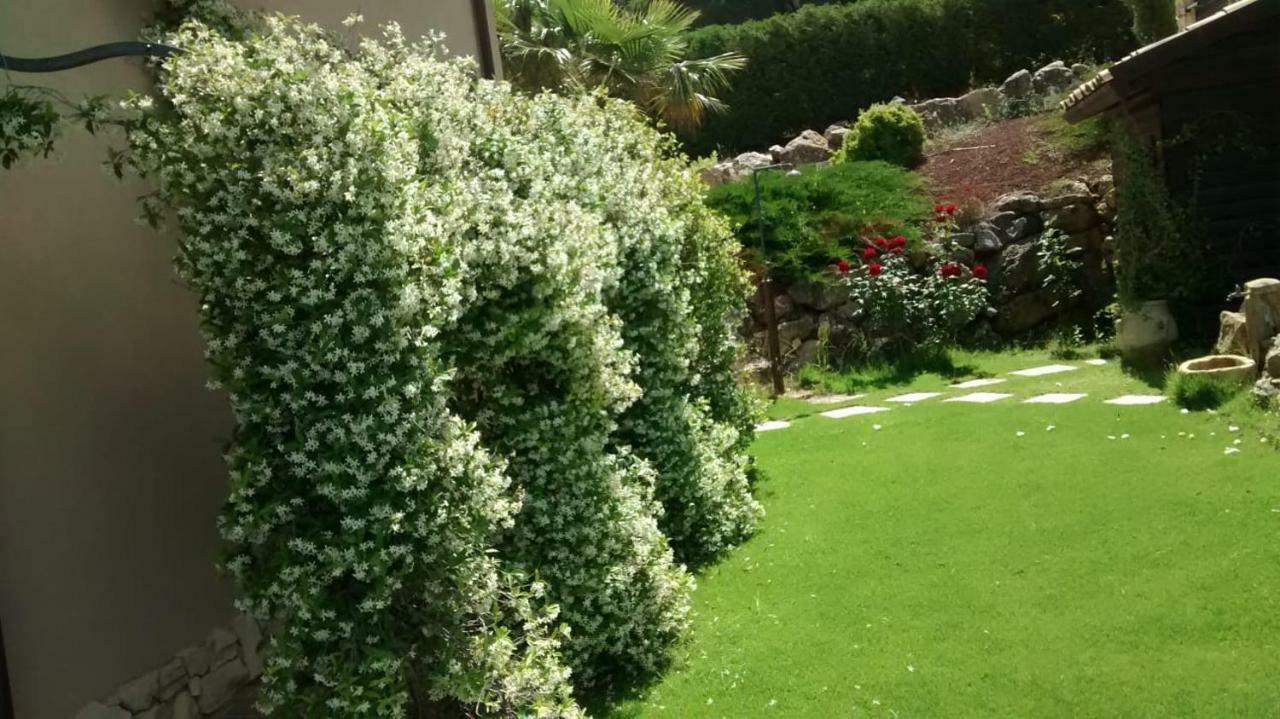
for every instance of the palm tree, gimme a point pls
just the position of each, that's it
(635, 51)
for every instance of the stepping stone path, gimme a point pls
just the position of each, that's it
(914, 397)
(971, 398)
(1047, 369)
(979, 397)
(975, 383)
(834, 398)
(1135, 399)
(853, 412)
(1054, 398)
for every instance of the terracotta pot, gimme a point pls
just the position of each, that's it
(1145, 335)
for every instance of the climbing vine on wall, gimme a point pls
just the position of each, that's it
(479, 347)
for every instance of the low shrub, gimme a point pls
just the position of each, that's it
(1200, 392)
(892, 133)
(825, 63)
(820, 216)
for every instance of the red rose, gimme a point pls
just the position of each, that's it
(843, 266)
(874, 269)
(950, 269)
(869, 253)
(898, 241)
(950, 209)
(881, 242)
(939, 209)
(980, 271)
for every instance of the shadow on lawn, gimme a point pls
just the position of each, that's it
(896, 371)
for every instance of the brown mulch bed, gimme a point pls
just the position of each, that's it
(1018, 154)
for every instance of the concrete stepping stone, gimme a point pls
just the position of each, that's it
(975, 383)
(834, 398)
(979, 397)
(1054, 398)
(1096, 362)
(853, 411)
(1135, 399)
(914, 397)
(772, 425)
(1047, 369)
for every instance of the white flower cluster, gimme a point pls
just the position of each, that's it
(474, 342)
(28, 126)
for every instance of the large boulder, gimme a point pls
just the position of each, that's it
(1233, 335)
(985, 102)
(735, 169)
(1073, 218)
(1067, 192)
(820, 296)
(835, 136)
(1081, 71)
(987, 239)
(1018, 86)
(1019, 269)
(1024, 312)
(1054, 77)
(807, 149)
(1272, 362)
(939, 112)
(1261, 309)
(800, 329)
(1021, 203)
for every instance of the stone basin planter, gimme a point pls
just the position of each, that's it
(1230, 368)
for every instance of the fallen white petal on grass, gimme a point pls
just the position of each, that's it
(1184, 410)
(1050, 428)
(979, 397)
(1233, 428)
(1136, 399)
(1047, 369)
(914, 397)
(975, 383)
(1054, 398)
(853, 411)
(1020, 433)
(1124, 436)
(1231, 450)
(877, 427)
(772, 425)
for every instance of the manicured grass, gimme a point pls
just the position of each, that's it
(943, 566)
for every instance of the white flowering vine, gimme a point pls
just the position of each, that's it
(480, 351)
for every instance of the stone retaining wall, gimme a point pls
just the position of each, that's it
(197, 682)
(1007, 241)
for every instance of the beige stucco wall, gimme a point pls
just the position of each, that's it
(110, 447)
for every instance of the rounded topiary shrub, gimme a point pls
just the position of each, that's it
(893, 133)
(479, 348)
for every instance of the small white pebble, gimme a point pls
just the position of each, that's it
(1191, 436)
(876, 427)
(1124, 436)
(1050, 428)
(1233, 428)
(1238, 441)
(1111, 436)
(1020, 433)
(1231, 450)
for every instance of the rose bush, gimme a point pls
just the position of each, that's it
(479, 347)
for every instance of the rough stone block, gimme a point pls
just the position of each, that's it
(98, 710)
(250, 636)
(219, 686)
(196, 659)
(223, 646)
(1020, 202)
(140, 693)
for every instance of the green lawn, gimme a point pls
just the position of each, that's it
(944, 566)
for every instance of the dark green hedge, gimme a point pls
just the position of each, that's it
(715, 12)
(824, 63)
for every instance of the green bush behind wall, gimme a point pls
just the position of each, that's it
(825, 63)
